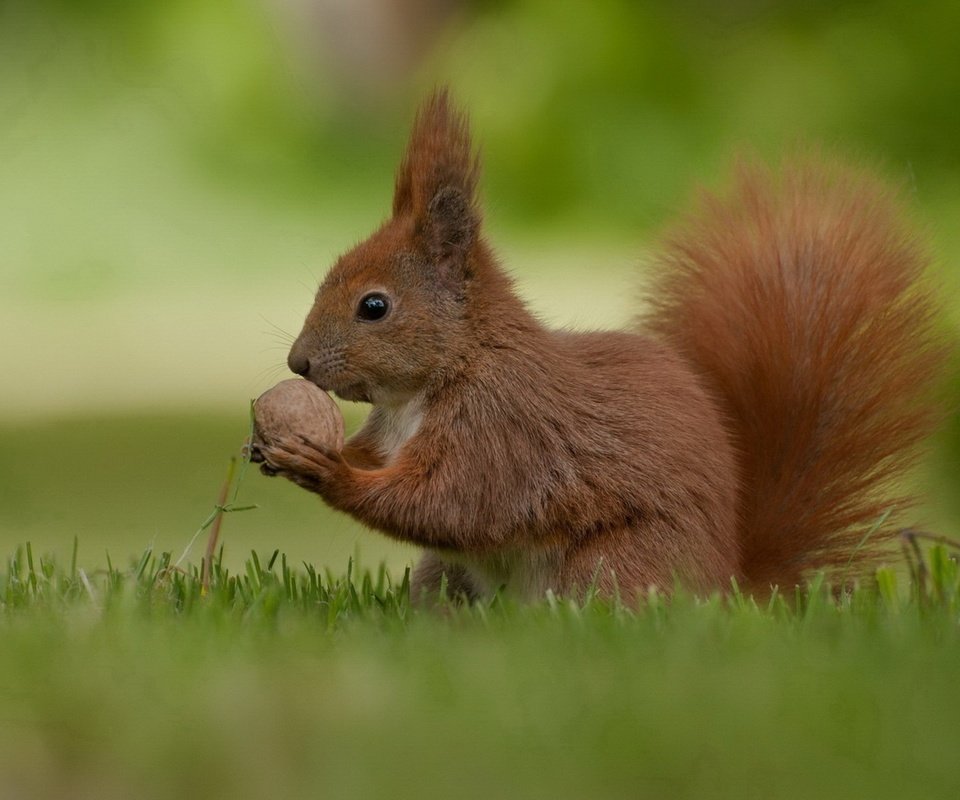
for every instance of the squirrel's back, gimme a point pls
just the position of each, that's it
(800, 299)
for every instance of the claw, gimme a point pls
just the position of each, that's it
(326, 452)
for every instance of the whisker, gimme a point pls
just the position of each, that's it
(277, 330)
(311, 271)
(278, 338)
(266, 372)
(269, 373)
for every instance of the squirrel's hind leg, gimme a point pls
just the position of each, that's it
(428, 576)
(614, 566)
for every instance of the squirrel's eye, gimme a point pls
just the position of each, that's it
(373, 306)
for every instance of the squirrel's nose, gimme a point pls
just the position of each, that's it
(298, 363)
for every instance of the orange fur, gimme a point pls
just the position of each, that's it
(800, 298)
(745, 429)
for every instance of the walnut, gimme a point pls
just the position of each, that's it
(295, 408)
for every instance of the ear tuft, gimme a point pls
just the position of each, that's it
(439, 160)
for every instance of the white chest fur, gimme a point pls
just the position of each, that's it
(397, 424)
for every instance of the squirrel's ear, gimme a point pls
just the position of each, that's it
(449, 227)
(444, 234)
(437, 180)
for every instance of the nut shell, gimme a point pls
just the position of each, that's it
(297, 407)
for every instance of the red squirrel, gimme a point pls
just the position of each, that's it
(751, 425)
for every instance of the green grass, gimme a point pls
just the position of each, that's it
(124, 678)
(279, 681)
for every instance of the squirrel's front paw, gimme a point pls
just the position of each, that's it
(309, 465)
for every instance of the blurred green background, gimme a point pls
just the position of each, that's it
(175, 177)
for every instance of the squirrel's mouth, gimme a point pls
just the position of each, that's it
(355, 393)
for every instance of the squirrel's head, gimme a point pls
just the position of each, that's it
(389, 316)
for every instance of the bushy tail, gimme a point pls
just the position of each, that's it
(800, 298)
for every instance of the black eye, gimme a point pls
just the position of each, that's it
(373, 306)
